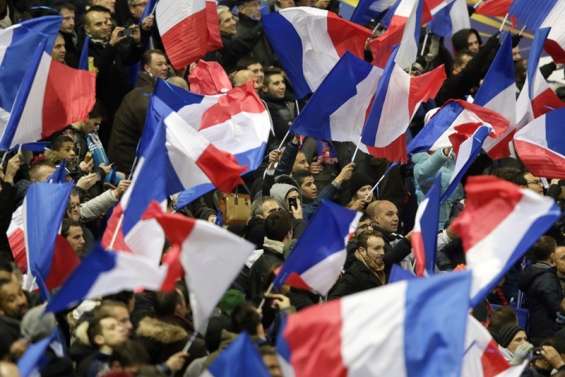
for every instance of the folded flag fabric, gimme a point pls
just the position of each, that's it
(337, 110)
(424, 234)
(103, 272)
(541, 145)
(51, 96)
(381, 330)
(316, 262)
(367, 10)
(310, 41)
(240, 359)
(209, 78)
(494, 8)
(31, 361)
(498, 225)
(450, 19)
(555, 42)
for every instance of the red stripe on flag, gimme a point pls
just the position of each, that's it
(395, 151)
(347, 36)
(545, 102)
(425, 87)
(221, 168)
(539, 161)
(187, 41)
(493, 361)
(497, 121)
(177, 227)
(209, 78)
(213, 26)
(494, 8)
(63, 263)
(315, 346)
(18, 245)
(502, 148)
(70, 94)
(175, 270)
(489, 201)
(555, 50)
(114, 222)
(419, 252)
(382, 47)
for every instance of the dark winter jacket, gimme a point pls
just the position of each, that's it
(261, 50)
(261, 272)
(358, 277)
(282, 111)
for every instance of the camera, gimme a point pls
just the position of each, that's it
(125, 33)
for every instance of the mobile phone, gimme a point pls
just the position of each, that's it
(292, 202)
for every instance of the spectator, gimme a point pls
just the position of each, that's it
(74, 234)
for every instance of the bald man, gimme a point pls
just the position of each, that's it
(384, 214)
(241, 77)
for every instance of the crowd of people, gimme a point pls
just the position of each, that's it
(145, 333)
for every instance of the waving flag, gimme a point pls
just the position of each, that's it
(338, 109)
(397, 98)
(51, 96)
(29, 363)
(206, 251)
(541, 145)
(380, 330)
(189, 29)
(316, 262)
(467, 153)
(236, 122)
(498, 225)
(536, 97)
(83, 59)
(424, 234)
(451, 19)
(455, 114)
(240, 359)
(555, 42)
(366, 10)
(482, 356)
(17, 44)
(494, 8)
(310, 41)
(408, 49)
(209, 78)
(103, 272)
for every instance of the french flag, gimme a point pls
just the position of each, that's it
(104, 272)
(494, 8)
(177, 158)
(367, 10)
(316, 262)
(482, 357)
(310, 41)
(498, 93)
(541, 145)
(498, 225)
(51, 96)
(451, 19)
(35, 354)
(206, 250)
(240, 359)
(381, 330)
(17, 44)
(555, 42)
(189, 29)
(536, 97)
(424, 234)
(397, 98)
(455, 115)
(338, 109)
(209, 78)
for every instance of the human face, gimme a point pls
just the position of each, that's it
(75, 237)
(272, 363)
(257, 70)
(309, 188)
(276, 86)
(121, 315)
(518, 339)
(228, 24)
(268, 207)
(113, 334)
(67, 151)
(365, 193)
(251, 9)
(108, 4)
(68, 24)
(285, 4)
(534, 183)
(157, 67)
(91, 125)
(559, 259)
(137, 7)
(300, 163)
(98, 25)
(386, 217)
(374, 253)
(473, 43)
(73, 210)
(59, 50)
(13, 301)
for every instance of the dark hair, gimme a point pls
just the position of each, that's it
(92, 9)
(542, 249)
(245, 62)
(123, 297)
(511, 175)
(363, 238)
(245, 318)
(278, 225)
(105, 309)
(166, 303)
(502, 316)
(301, 176)
(67, 224)
(95, 328)
(67, 6)
(270, 72)
(130, 354)
(6, 266)
(59, 140)
(147, 55)
(257, 205)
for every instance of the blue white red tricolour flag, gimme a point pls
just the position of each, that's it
(467, 152)
(35, 355)
(188, 29)
(17, 45)
(408, 48)
(424, 234)
(498, 93)
(541, 145)
(450, 19)
(494, 8)
(177, 158)
(380, 330)
(51, 96)
(397, 98)
(205, 250)
(240, 359)
(482, 356)
(367, 10)
(536, 97)
(338, 109)
(236, 122)
(104, 272)
(316, 262)
(555, 42)
(455, 115)
(498, 225)
(310, 41)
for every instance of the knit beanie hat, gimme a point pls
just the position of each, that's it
(359, 180)
(505, 334)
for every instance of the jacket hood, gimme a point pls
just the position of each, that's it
(160, 331)
(279, 191)
(531, 273)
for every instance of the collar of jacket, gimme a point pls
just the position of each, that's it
(277, 246)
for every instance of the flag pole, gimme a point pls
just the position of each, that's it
(121, 219)
(356, 150)
(284, 140)
(425, 42)
(269, 290)
(190, 341)
(478, 3)
(503, 24)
